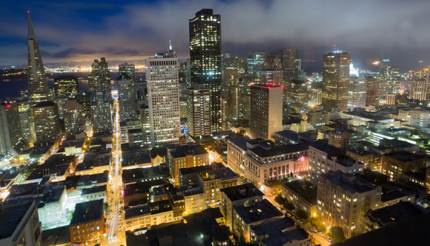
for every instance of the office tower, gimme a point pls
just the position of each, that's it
(344, 199)
(5, 143)
(231, 95)
(255, 67)
(38, 87)
(336, 80)
(205, 60)
(100, 92)
(266, 110)
(73, 117)
(291, 64)
(357, 92)
(127, 92)
(46, 122)
(199, 115)
(20, 125)
(127, 69)
(163, 97)
(372, 91)
(66, 86)
(420, 88)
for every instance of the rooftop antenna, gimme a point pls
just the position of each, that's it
(170, 45)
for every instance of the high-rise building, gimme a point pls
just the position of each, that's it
(336, 80)
(372, 91)
(357, 92)
(38, 87)
(46, 122)
(163, 97)
(205, 59)
(344, 199)
(419, 89)
(5, 143)
(20, 126)
(66, 86)
(291, 64)
(99, 84)
(199, 115)
(73, 117)
(127, 92)
(266, 110)
(231, 78)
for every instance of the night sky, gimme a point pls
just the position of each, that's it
(81, 30)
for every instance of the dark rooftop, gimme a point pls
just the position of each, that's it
(414, 232)
(243, 191)
(303, 188)
(10, 217)
(259, 211)
(187, 149)
(405, 156)
(279, 231)
(88, 211)
(200, 229)
(349, 182)
(398, 213)
(145, 174)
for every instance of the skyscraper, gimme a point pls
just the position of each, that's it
(46, 122)
(163, 97)
(198, 115)
(205, 60)
(127, 92)
(5, 144)
(66, 86)
(37, 85)
(291, 64)
(266, 110)
(100, 93)
(336, 80)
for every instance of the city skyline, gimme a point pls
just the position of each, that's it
(77, 32)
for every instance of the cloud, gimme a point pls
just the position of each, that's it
(367, 28)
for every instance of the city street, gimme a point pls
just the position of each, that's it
(115, 216)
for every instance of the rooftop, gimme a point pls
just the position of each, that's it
(145, 174)
(87, 212)
(400, 212)
(349, 182)
(303, 188)
(404, 156)
(11, 216)
(187, 149)
(279, 231)
(241, 192)
(259, 211)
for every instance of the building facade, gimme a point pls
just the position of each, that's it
(266, 110)
(163, 97)
(205, 59)
(336, 80)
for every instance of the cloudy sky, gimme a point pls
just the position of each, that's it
(80, 30)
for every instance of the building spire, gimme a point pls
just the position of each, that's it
(170, 45)
(30, 25)
(37, 86)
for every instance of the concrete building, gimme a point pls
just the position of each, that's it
(205, 60)
(198, 112)
(336, 80)
(99, 83)
(344, 199)
(19, 225)
(185, 156)
(5, 137)
(88, 223)
(46, 122)
(210, 179)
(163, 97)
(261, 161)
(266, 110)
(324, 158)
